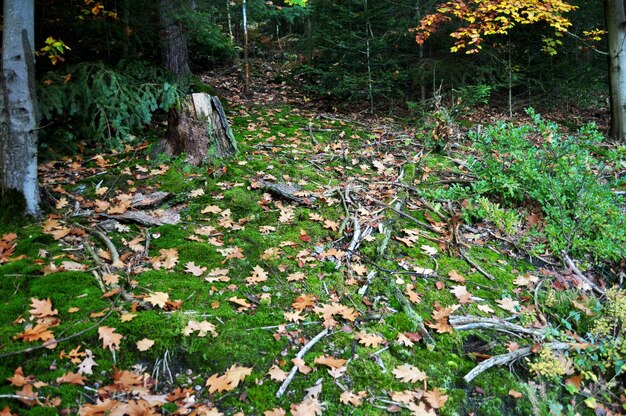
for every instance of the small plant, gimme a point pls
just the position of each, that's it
(106, 104)
(481, 208)
(536, 163)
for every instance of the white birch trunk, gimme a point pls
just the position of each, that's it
(18, 116)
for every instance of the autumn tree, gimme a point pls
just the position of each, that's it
(479, 19)
(18, 107)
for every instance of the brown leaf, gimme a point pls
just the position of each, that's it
(18, 379)
(42, 308)
(515, 394)
(71, 378)
(88, 363)
(329, 361)
(197, 271)
(302, 367)
(456, 277)
(145, 344)
(258, 275)
(39, 332)
(109, 339)
(277, 374)
(356, 400)
(409, 374)
(158, 299)
(435, 398)
(369, 340)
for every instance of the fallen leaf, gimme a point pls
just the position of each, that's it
(258, 275)
(435, 398)
(157, 299)
(109, 339)
(456, 277)
(329, 361)
(302, 367)
(515, 394)
(369, 340)
(197, 271)
(86, 367)
(145, 344)
(71, 378)
(356, 400)
(508, 304)
(277, 374)
(409, 374)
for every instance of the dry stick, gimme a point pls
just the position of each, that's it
(300, 354)
(407, 216)
(476, 266)
(476, 322)
(582, 277)
(512, 356)
(58, 341)
(313, 139)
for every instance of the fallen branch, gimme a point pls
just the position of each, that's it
(476, 322)
(512, 356)
(580, 275)
(476, 266)
(300, 354)
(407, 216)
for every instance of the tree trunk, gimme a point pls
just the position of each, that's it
(175, 55)
(616, 28)
(200, 130)
(18, 107)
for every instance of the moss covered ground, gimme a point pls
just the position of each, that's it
(281, 258)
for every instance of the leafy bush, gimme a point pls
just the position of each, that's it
(101, 103)
(537, 163)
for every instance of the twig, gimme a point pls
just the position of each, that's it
(58, 341)
(407, 216)
(512, 356)
(580, 275)
(476, 266)
(300, 354)
(417, 320)
(313, 139)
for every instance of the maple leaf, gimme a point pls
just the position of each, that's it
(197, 271)
(303, 301)
(110, 279)
(435, 398)
(329, 361)
(277, 374)
(42, 308)
(109, 339)
(158, 299)
(71, 378)
(38, 332)
(145, 344)
(258, 275)
(369, 340)
(356, 400)
(409, 374)
(86, 367)
(331, 225)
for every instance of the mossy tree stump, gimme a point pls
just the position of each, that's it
(200, 129)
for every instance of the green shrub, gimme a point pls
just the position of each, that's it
(93, 101)
(537, 163)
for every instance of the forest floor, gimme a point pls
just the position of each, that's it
(317, 273)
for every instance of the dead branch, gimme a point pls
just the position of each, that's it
(476, 322)
(512, 356)
(580, 275)
(407, 216)
(417, 320)
(476, 266)
(300, 354)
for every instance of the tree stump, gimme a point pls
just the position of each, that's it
(199, 129)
